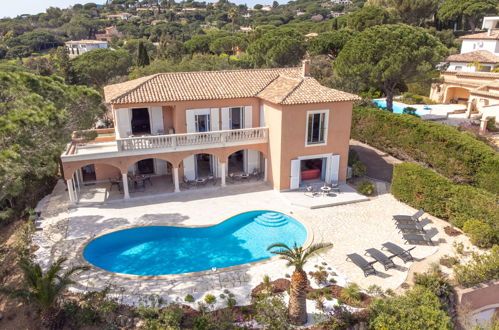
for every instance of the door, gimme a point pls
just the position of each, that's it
(335, 168)
(141, 123)
(145, 166)
(190, 168)
(295, 174)
(202, 123)
(88, 173)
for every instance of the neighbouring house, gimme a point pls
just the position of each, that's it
(119, 16)
(341, 2)
(266, 8)
(468, 79)
(110, 32)
(246, 29)
(279, 125)
(78, 47)
(335, 14)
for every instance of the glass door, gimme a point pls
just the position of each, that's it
(202, 123)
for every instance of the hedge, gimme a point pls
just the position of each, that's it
(456, 155)
(472, 209)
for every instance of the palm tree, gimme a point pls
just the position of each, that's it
(297, 257)
(45, 289)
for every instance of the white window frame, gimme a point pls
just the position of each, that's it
(326, 128)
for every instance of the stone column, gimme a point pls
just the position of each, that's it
(222, 173)
(175, 179)
(483, 126)
(265, 170)
(72, 198)
(469, 108)
(125, 186)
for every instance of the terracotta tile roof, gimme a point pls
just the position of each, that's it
(480, 56)
(483, 35)
(86, 42)
(284, 86)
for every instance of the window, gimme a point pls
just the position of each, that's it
(202, 123)
(458, 68)
(236, 117)
(316, 127)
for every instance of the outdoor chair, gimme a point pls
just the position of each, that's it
(256, 174)
(335, 188)
(417, 227)
(115, 182)
(188, 183)
(310, 191)
(382, 258)
(231, 178)
(421, 238)
(359, 261)
(396, 250)
(409, 218)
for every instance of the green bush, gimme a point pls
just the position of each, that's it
(410, 111)
(481, 268)
(420, 308)
(457, 155)
(366, 188)
(491, 125)
(472, 209)
(353, 157)
(210, 299)
(189, 298)
(358, 169)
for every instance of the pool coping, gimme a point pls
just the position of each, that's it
(85, 262)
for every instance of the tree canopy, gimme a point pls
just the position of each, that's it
(471, 10)
(367, 17)
(387, 57)
(330, 43)
(36, 118)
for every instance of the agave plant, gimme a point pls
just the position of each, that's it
(45, 289)
(297, 257)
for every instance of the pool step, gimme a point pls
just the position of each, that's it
(271, 219)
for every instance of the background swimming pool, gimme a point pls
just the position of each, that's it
(161, 250)
(397, 107)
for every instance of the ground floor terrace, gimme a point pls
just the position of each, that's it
(351, 228)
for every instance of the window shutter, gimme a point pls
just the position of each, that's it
(248, 117)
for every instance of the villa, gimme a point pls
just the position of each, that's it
(279, 125)
(78, 47)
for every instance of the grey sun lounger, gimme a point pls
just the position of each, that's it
(382, 258)
(421, 238)
(417, 227)
(359, 261)
(409, 218)
(396, 250)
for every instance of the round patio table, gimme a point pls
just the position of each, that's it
(325, 190)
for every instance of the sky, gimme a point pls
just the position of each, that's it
(12, 8)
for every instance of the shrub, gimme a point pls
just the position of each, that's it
(460, 205)
(271, 312)
(448, 261)
(457, 155)
(418, 309)
(366, 188)
(358, 169)
(351, 293)
(189, 298)
(480, 268)
(210, 299)
(410, 111)
(491, 125)
(320, 276)
(352, 157)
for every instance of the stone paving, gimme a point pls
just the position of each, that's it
(351, 228)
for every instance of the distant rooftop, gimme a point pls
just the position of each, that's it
(86, 42)
(480, 56)
(493, 35)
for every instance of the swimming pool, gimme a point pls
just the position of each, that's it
(162, 250)
(399, 107)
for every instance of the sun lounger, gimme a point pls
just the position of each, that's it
(382, 258)
(417, 227)
(396, 250)
(359, 261)
(409, 218)
(421, 238)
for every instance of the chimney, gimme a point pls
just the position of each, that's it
(306, 68)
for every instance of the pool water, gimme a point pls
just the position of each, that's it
(398, 107)
(162, 250)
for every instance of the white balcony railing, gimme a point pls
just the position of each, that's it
(193, 140)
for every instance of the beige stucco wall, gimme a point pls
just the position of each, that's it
(288, 141)
(287, 136)
(106, 172)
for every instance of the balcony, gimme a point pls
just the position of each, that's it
(191, 141)
(96, 148)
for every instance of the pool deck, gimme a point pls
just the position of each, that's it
(350, 227)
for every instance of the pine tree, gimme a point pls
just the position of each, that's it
(142, 56)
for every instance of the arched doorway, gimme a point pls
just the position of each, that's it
(94, 182)
(455, 95)
(150, 176)
(246, 164)
(199, 170)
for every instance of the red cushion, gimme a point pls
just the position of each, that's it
(310, 174)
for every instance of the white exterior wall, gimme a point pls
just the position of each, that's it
(471, 45)
(465, 67)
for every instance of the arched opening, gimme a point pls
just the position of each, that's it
(95, 182)
(244, 165)
(150, 176)
(199, 170)
(457, 95)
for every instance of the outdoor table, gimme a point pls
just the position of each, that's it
(244, 176)
(325, 190)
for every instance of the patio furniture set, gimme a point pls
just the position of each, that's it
(136, 182)
(231, 178)
(324, 190)
(412, 229)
